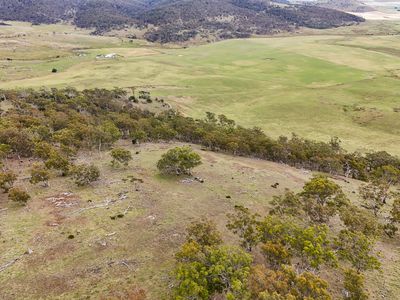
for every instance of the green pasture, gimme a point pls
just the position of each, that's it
(315, 85)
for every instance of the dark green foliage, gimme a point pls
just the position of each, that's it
(286, 204)
(85, 174)
(204, 233)
(58, 161)
(205, 268)
(244, 224)
(43, 150)
(276, 254)
(377, 193)
(379, 159)
(204, 273)
(395, 211)
(354, 285)
(320, 200)
(179, 160)
(18, 196)
(39, 173)
(120, 156)
(310, 244)
(388, 174)
(394, 218)
(7, 179)
(356, 248)
(19, 140)
(182, 20)
(68, 120)
(360, 220)
(144, 95)
(4, 151)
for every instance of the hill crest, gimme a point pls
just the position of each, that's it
(178, 20)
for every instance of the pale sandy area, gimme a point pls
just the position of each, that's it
(377, 15)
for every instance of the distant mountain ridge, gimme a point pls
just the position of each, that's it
(178, 20)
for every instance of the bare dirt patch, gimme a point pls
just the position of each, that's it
(59, 205)
(378, 15)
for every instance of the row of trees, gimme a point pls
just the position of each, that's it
(68, 120)
(281, 254)
(53, 125)
(40, 172)
(176, 161)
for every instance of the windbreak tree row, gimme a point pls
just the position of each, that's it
(54, 124)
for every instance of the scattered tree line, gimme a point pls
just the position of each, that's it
(52, 125)
(281, 255)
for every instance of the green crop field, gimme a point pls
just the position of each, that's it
(315, 85)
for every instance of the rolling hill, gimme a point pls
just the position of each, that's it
(345, 5)
(178, 21)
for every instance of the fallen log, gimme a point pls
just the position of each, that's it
(105, 204)
(9, 264)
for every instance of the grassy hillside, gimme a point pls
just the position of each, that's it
(80, 248)
(317, 86)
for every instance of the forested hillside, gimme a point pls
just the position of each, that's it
(176, 21)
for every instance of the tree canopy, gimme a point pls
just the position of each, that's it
(178, 161)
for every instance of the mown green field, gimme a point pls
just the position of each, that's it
(343, 83)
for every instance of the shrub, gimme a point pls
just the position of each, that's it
(59, 162)
(180, 160)
(354, 285)
(374, 195)
(356, 219)
(357, 249)
(204, 233)
(120, 156)
(286, 284)
(391, 228)
(19, 196)
(4, 150)
(245, 224)
(7, 180)
(287, 204)
(39, 173)
(322, 199)
(211, 271)
(275, 254)
(85, 174)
